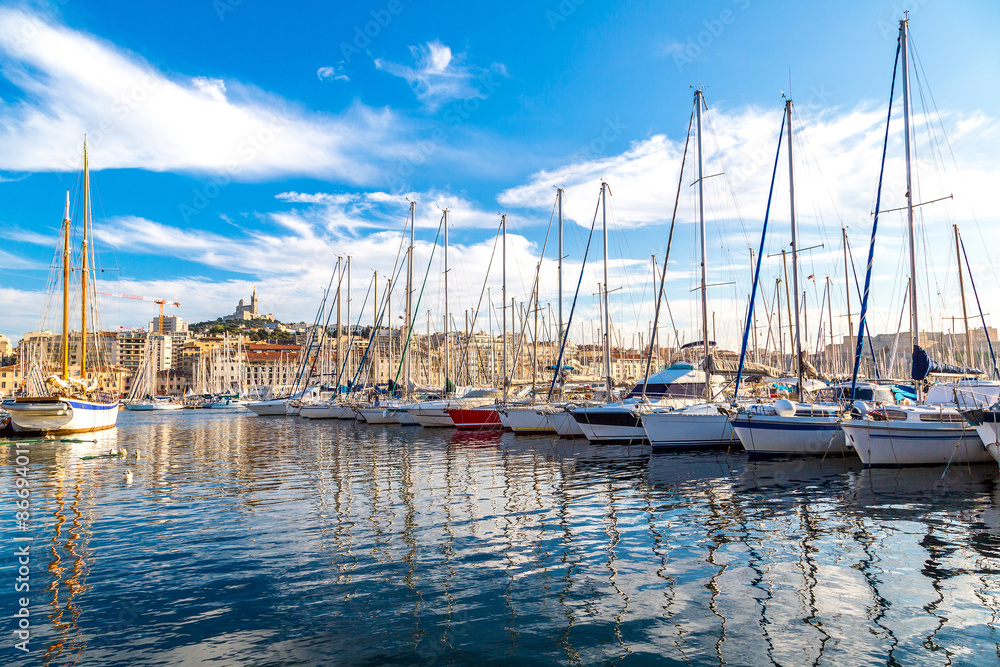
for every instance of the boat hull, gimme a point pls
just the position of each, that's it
(148, 407)
(564, 425)
(403, 417)
(63, 415)
(777, 436)
(891, 444)
(432, 417)
(321, 411)
(987, 428)
(227, 404)
(680, 430)
(273, 408)
(377, 415)
(527, 421)
(618, 425)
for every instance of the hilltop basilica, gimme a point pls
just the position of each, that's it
(245, 312)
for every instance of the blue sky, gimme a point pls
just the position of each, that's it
(235, 144)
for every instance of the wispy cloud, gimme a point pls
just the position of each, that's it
(439, 76)
(9, 262)
(332, 73)
(135, 116)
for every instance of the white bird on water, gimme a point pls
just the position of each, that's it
(128, 476)
(136, 454)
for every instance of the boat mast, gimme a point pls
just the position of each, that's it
(493, 345)
(795, 256)
(409, 294)
(83, 266)
(65, 305)
(914, 320)
(534, 347)
(829, 313)
(559, 196)
(503, 273)
(350, 335)
(607, 315)
(965, 312)
(699, 100)
(447, 346)
(340, 329)
(388, 316)
(847, 286)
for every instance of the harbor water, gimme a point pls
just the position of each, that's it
(279, 541)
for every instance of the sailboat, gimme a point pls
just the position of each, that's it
(705, 424)
(142, 397)
(934, 433)
(788, 428)
(678, 386)
(74, 404)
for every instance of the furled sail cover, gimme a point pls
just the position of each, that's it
(923, 366)
(808, 370)
(718, 366)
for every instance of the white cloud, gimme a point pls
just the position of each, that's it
(837, 164)
(292, 254)
(138, 117)
(439, 76)
(335, 73)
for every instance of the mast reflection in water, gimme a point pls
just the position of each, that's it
(282, 541)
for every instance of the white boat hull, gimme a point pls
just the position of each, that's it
(432, 417)
(914, 443)
(147, 407)
(377, 415)
(404, 418)
(688, 430)
(65, 415)
(526, 421)
(321, 411)
(564, 425)
(774, 435)
(276, 407)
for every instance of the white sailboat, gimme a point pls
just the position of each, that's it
(73, 404)
(934, 433)
(678, 386)
(791, 428)
(704, 424)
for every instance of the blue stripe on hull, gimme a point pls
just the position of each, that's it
(783, 426)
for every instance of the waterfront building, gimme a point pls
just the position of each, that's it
(10, 379)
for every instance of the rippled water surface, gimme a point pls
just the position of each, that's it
(251, 540)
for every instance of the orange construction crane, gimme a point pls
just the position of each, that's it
(159, 302)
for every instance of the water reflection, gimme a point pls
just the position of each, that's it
(288, 541)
